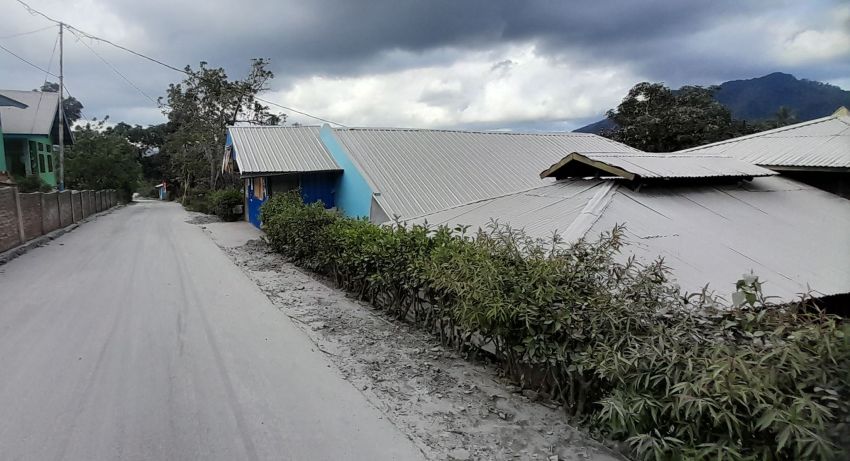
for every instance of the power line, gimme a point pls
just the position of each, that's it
(114, 69)
(299, 112)
(73, 29)
(25, 33)
(29, 63)
(41, 93)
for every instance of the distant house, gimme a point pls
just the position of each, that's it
(816, 152)
(29, 134)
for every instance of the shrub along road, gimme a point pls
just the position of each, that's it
(137, 338)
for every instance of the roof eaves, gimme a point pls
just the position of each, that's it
(579, 158)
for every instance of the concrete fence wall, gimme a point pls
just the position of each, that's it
(31, 215)
(10, 232)
(66, 210)
(24, 217)
(49, 212)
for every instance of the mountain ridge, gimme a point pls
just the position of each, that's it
(758, 99)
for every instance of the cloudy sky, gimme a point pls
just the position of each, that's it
(487, 64)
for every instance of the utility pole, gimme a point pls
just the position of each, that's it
(61, 112)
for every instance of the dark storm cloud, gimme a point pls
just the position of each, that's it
(675, 41)
(345, 37)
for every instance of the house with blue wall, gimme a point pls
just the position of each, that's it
(574, 184)
(385, 173)
(275, 159)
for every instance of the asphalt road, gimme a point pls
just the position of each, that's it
(135, 338)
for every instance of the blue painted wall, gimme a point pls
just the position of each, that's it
(319, 186)
(255, 203)
(353, 193)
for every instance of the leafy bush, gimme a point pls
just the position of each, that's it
(611, 339)
(197, 200)
(223, 202)
(33, 183)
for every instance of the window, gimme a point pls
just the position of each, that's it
(41, 147)
(50, 163)
(41, 164)
(33, 157)
(259, 188)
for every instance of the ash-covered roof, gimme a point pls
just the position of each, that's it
(37, 118)
(419, 171)
(821, 144)
(270, 150)
(791, 235)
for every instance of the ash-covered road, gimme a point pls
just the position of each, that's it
(135, 338)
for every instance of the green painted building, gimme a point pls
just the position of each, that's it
(30, 128)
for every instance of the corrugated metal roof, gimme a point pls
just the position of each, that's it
(638, 165)
(419, 171)
(36, 119)
(278, 149)
(820, 143)
(789, 234)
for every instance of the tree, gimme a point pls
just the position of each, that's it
(201, 107)
(73, 107)
(784, 116)
(102, 158)
(655, 118)
(150, 149)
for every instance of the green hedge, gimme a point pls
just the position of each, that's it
(223, 202)
(614, 341)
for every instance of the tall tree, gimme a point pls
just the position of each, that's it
(150, 148)
(784, 116)
(73, 107)
(102, 158)
(201, 107)
(655, 118)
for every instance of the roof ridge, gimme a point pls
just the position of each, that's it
(272, 126)
(449, 130)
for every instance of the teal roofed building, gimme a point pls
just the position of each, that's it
(29, 125)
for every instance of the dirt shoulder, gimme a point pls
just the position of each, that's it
(451, 407)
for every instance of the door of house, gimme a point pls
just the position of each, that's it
(257, 195)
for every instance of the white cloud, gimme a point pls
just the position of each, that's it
(513, 85)
(800, 44)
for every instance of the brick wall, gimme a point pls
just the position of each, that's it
(66, 217)
(77, 205)
(49, 212)
(9, 233)
(42, 213)
(31, 213)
